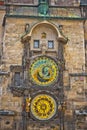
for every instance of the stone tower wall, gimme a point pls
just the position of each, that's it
(74, 55)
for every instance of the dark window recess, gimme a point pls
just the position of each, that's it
(7, 122)
(0, 79)
(50, 44)
(17, 79)
(85, 44)
(36, 44)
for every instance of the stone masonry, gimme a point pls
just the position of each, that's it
(12, 49)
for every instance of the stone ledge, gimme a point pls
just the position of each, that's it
(78, 74)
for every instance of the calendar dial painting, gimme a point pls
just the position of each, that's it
(43, 71)
(43, 107)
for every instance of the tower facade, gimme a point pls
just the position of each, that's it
(43, 71)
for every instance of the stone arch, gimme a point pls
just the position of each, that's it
(60, 37)
(47, 23)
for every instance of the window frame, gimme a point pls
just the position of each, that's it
(49, 42)
(17, 79)
(36, 46)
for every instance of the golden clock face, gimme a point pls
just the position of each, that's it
(43, 107)
(43, 71)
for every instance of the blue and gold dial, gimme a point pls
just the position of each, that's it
(44, 71)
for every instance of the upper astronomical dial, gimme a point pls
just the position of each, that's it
(43, 71)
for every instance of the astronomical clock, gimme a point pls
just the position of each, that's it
(43, 75)
(44, 71)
